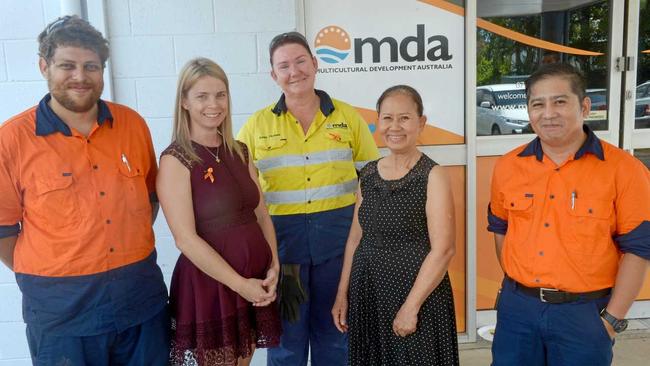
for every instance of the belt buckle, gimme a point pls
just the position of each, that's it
(541, 292)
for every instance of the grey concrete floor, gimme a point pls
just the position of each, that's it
(631, 349)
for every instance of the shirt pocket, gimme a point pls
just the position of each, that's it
(268, 155)
(56, 201)
(520, 208)
(272, 143)
(338, 138)
(134, 190)
(590, 226)
(341, 155)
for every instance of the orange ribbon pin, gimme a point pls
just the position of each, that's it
(335, 136)
(208, 175)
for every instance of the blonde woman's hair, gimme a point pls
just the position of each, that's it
(189, 75)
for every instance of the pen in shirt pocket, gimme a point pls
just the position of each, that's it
(125, 161)
(574, 195)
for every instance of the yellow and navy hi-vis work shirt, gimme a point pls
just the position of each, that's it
(314, 172)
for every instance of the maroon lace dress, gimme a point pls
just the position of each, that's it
(211, 324)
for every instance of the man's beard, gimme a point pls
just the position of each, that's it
(62, 95)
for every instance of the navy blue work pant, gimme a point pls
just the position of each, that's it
(533, 333)
(315, 328)
(143, 344)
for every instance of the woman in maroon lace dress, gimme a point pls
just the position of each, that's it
(223, 287)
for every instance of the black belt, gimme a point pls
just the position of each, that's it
(555, 296)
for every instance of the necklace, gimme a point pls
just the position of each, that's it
(215, 156)
(411, 161)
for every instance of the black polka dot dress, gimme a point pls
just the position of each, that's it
(394, 244)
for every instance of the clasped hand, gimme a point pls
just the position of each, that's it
(260, 292)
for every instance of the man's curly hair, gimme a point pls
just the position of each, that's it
(73, 31)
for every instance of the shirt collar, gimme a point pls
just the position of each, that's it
(326, 104)
(47, 122)
(591, 145)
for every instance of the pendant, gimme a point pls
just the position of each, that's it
(209, 175)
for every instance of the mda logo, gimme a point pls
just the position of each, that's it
(332, 44)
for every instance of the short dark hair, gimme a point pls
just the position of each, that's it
(402, 89)
(71, 30)
(575, 78)
(287, 38)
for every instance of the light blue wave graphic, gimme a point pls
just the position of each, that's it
(330, 55)
(329, 60)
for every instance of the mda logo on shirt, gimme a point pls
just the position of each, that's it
(330, 126)
(332, 44)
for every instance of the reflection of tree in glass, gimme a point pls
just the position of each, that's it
(501, 60)
(589, 30)
(498, 56)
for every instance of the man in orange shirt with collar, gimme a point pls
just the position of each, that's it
(571, 218)
(77, 201)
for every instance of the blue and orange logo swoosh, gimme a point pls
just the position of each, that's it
(332, 44)
(510, 34)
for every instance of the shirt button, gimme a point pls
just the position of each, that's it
(102, 193)
(546, 224)
(108, 221)
(541, 253)
(95, 167)
(111, 250)
(512, 204)
(88, 140)
(308, 179)
(590, 211)
(537, 280)
(557, 169)
(552, 196)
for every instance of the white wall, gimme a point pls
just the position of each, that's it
(150, 41)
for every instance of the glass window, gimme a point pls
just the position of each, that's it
(643, 155)
(642, 107)
(513, 39)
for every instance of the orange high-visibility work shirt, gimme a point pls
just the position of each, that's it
(566, 226)
(83, 202)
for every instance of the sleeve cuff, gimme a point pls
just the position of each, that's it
(9, 230)
(496, 224)
(636, 241)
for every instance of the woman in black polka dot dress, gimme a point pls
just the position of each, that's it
(394, 283)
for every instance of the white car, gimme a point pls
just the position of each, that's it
(642, 109)
(501, 109)
(597, 119)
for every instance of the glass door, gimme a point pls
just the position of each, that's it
(636, 107)
(513, 38)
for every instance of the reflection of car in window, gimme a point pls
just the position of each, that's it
(501, 109)
(642, 108)
(597, 119)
